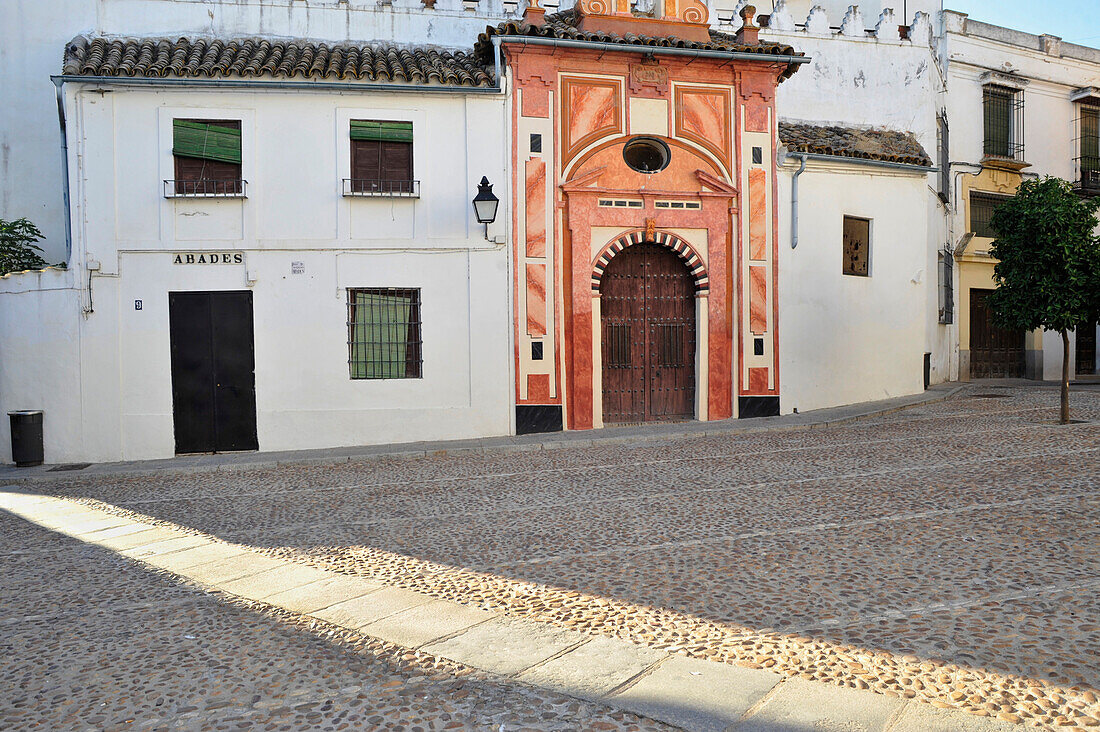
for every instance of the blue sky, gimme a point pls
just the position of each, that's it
(1076, 21)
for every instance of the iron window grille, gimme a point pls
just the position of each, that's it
(943, 141)
(947, 288)
(384, 337)
(1003, 114)
(982, 206)
(1087, 162)
(381, 188)
(857, 246)
(617, 338)
(205, 188)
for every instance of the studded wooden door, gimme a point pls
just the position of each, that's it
(647, 312)
(994, 352)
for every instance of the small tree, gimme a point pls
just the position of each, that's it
(1048, 269)
(17, 246)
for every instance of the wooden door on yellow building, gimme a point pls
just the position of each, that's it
(995, 353)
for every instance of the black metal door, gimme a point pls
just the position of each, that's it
(213, 371)
(1086, 348)
(994, 352)
(647, 309)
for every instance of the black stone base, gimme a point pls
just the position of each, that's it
(537, 418)
(755, 406)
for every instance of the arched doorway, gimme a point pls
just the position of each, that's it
(647, 316)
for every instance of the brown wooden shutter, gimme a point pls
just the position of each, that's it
(366, 161)
(396, 161)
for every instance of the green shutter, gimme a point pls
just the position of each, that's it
(208, 142)
(378, 130)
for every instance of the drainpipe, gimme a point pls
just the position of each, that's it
(794, 199)
(64, 168)
(496, 62)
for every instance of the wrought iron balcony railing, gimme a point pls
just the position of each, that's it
(381, 188)
(1088, 175)
(205, 188)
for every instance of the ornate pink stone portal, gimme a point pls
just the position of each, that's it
(702, 131)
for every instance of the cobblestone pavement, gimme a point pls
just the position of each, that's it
(948, 553)
(91, 641)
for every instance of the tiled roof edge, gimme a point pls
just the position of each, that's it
(563, 26)
(876, 144)
(254, 57)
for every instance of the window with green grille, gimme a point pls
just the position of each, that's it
(1003, 116)
(981, 211)
(384, 333)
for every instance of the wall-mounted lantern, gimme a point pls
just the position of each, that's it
(485, 204)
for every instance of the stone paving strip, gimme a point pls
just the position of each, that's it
(690, 693)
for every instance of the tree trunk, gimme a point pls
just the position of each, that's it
(1064, 419)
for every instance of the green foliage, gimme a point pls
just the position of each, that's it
(1048, 269)
(18, 251)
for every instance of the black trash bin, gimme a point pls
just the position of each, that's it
(26, 438)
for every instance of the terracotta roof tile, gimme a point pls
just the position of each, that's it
(564, 25)
(258, 57)
(851, 142)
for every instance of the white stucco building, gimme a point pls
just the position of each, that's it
(294, 237)
(1032, 107)
(879, 152)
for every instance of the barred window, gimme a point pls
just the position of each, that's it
(1003, 118)
(981, 211)
(857, 246)
(947, 288)
(1088, 148)
(943, 141)
(384, 334)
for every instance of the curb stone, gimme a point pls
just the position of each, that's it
(10, 475)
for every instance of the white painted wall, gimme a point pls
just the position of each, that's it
(39, 356)
(113, 392)
(846, 339)
(33, 35)
(865, 81)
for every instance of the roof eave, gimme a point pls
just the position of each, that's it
(256, 83)
(792, 61)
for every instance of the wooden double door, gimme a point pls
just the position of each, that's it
(647, 312)
(995, 353)
(213, 371)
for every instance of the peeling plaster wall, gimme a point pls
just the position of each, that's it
(863, 83)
